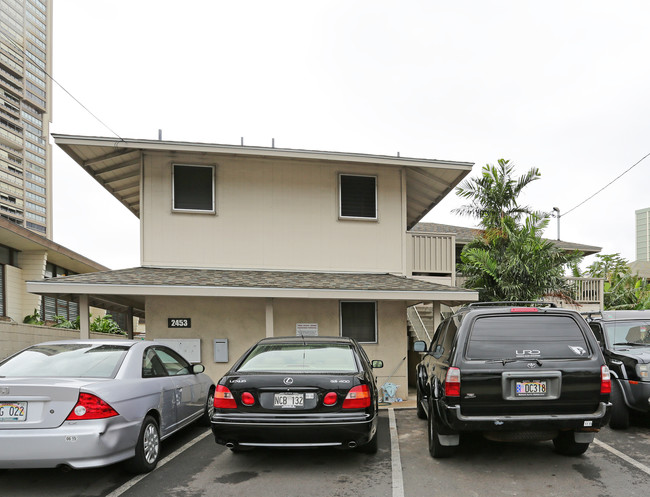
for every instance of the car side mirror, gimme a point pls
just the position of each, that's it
(420, 346)
(198, 368)
(376, 364)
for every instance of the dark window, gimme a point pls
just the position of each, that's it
(193, 188)
(52, 306)
(359, 321)
(2, 290)
(520, 337)
(358, 196)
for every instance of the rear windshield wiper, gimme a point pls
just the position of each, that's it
(516, 359)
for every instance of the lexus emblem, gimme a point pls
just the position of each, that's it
(4, 390)
(288, 380)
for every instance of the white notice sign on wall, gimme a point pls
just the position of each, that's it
(307, 329)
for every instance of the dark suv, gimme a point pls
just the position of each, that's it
(513, 371)
(625, 339)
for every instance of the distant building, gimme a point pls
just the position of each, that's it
(641, 265)
(643, 234)
(25, 114)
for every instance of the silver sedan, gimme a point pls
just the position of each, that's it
(87, 403)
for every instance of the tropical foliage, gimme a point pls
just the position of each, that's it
(511, 260)
(100, 324)
(623, 290)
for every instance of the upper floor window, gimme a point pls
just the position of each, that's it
(193, 188)
(357, 196)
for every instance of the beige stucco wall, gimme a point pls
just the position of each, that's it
(271, 215)
(33, 268)
(16, 336)
(243, 322)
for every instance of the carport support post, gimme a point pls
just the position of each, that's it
(436, 317)
(269, 317)
(84, 317)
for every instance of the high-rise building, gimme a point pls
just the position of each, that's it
(25, 113)
(643, 234)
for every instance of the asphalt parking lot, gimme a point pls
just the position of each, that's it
(618, 464)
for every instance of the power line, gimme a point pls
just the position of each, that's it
(16, 45)
(608, 184)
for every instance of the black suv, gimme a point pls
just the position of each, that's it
(513, 371)
(625, 339)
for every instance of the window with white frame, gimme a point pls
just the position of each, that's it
(193, 188)
(359, 320)
(357, 196)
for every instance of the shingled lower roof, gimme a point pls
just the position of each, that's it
(250, 283)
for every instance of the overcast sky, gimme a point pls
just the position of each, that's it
(559, 85)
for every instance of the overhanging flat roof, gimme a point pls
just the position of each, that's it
(137, 283)
(115, 163)
(466, 235)
(22, 239)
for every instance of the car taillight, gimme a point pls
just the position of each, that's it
(452, 383)
(223, 398)
(247, 399)
(90, 406)
(357, 398)
(330, 398)
(605, 380)
(524, 309)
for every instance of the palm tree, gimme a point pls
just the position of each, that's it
(510, 260)
(494, 195)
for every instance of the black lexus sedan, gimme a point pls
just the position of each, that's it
(294, 392)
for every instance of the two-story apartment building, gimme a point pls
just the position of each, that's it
(239, 243)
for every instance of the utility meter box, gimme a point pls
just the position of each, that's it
(220, 349)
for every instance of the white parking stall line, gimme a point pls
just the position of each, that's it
(625, 457)
(119, 491)
(396, 460)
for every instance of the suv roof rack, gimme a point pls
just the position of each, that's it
(531, 303)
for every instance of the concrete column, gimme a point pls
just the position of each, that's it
(436, 316)
(269, 317)
(84, 317)
(129, 323)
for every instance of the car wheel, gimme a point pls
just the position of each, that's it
(370, 447)
(147, 449)
(436, 449)
(422, 414)
(565, 444)
(620, 416)
(206, 418)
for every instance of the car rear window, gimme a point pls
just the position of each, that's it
(305, 358)
(629, 332)
(526, 336)
(65, 361)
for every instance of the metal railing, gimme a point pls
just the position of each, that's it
(416, 323)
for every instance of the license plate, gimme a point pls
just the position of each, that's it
(289, 400)
(530, 388)
(13, 411)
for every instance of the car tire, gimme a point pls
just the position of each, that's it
(147, 449)
(370, 447)
(422, 414)
(620, 416)
(565, 444)
(436, 449)
(208, 411)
